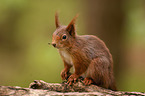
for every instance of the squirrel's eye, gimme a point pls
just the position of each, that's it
(64, 37)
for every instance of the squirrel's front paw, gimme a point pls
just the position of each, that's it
(72, 78)
(65, 74)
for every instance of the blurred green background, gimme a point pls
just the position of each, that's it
(26, 26)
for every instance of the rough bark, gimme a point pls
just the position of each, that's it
(41, 88)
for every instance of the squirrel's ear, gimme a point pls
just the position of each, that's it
(71, 26)
(56, 20)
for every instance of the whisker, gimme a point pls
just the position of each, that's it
(49, 43)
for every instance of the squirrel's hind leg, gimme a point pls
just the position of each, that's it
(98, 71)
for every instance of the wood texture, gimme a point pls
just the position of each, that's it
(41, 88)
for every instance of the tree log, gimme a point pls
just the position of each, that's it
(41, 88)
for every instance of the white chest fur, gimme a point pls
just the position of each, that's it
(67, 57)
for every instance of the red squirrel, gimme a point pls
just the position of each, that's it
(88, 55)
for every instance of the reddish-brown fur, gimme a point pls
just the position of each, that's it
(87, 54)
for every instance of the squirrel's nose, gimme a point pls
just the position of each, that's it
(54, 45)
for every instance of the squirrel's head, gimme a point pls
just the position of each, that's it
(64, 36)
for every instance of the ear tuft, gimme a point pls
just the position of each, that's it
(71, 26)
(56, 20)
(73, 21)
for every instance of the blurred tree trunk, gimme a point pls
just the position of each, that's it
(105, 19)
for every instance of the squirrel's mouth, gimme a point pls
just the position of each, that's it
(56, 47)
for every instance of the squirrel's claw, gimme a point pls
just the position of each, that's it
(65, 74)
(72, 78)
(87, 81)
